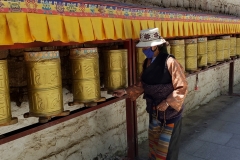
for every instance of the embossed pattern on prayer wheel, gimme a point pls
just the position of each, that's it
(220, 50)
(178, 50)
(226, 47)
(85, 74)
(140, 59)
(169, 49)
(233, 43)
(202, 52)
(5, 108)
(115, 65)
(238, 46)
(191, 54)
(212, 55)
(44, 83)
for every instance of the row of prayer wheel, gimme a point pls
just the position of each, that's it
(200, 52)
(45, 83)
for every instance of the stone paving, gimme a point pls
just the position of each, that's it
(211, 132)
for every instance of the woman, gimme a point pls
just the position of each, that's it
(165, 87)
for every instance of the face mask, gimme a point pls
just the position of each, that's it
(148, 52)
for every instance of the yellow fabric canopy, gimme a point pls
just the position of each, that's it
(30, 27)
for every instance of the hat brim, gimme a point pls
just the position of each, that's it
(151, 43)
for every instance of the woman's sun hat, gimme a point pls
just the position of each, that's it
(149, 38)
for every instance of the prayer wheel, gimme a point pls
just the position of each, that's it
(5, 107)
(169, 49)
(191, 54)
(140, 59)
(178, 50)
(44, 84)
(226, 47)
(85, 75)
(238, 46)
(220, 50)
(202, 52)
(212, 52)
(115, 73)
(233, 43)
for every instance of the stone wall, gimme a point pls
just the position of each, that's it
(229, 7)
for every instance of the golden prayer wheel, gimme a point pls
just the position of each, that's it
(44, 84)
(140, 59)
(233, 43)
(5, 106)
(226, 47)
(191, 54)
(202, 51)
(238, 47)
(212, 55)
(85, 75)
(178, 50)
(169, 49)
(220, 50)
(115, 65)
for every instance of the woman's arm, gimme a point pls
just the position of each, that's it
(176, 98)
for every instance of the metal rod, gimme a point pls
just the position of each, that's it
(231, 77)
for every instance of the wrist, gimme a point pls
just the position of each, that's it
(166, 103)
(124, 91)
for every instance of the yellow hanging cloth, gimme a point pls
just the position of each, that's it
(57, 28)
(212, 28)
(190, 27)
(186, 28)
(199, 28)
(86, 29)
(180, 28)
(195, 28)
(144, 24)
(158, 25)
(175, 28)
(206, 30)
(109, 28)
(170, 28)
(72, 28)
(209, 28)
(216, 29)
(118, 25)
(39, 27)
(5, 38)
(19, 28)
(150, 24)
(127, 24)
(164, 29)
(202, 28)
(136, 28)
(98, 28)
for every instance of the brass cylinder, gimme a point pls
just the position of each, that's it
(202, 52)
(238, 46)
(212, 55)
(233, 42)
(169, 49)
(115, 65)
(178, 50)
(226, 47)
(5, 107)
(220, 50)
(140, 59)
(191, 54)
(44, 83)
(85, 74)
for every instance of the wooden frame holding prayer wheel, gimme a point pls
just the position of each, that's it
(115, 69)
(191, 55)
(44, 85)
(202, 52)
(178, 50)
(5, 105)
(85, 76)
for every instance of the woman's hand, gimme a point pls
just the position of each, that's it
(119, 93)
(162, 106)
